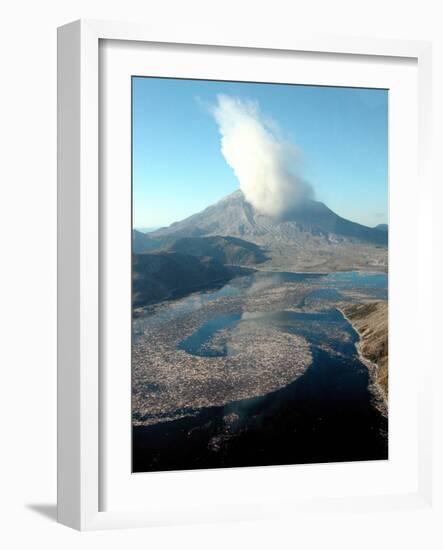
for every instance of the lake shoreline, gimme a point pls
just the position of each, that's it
(265, 371)
(381, 399)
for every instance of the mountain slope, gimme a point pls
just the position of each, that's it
(227, 250)
(161, 275)
(382, 227)
(235, 217)
(312, 238)
(371, 322)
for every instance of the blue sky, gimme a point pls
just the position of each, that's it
(178, 167)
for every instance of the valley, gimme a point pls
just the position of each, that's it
(212, 367)
(253, 340)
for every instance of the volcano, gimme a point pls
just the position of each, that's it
(310, 238)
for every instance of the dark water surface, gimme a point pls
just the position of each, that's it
(327, 415)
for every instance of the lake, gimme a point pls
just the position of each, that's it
(326, 415)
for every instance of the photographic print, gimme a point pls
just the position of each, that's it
(259, 274)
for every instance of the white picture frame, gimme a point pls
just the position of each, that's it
(80, 445)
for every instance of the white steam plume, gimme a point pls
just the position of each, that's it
(264, 164)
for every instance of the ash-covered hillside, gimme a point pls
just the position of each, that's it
(235, 217)
(163, 275)
(227, 250)
(309, 238)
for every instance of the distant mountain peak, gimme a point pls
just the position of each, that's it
(311, 237)
(382, 227)
(234, 216)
